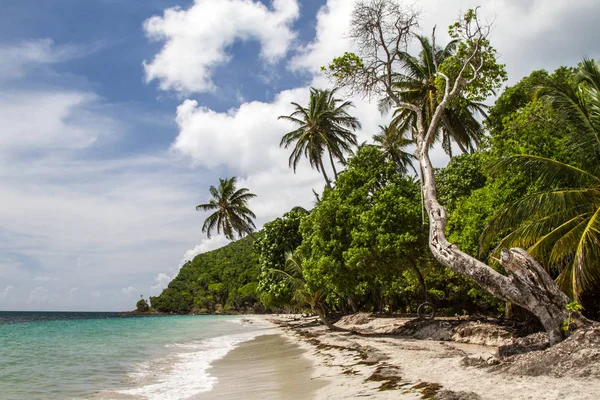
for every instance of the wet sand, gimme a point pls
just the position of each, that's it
(268, 367)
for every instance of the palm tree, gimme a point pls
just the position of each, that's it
(562, 226)
(231, 210)
(302, 293)
(417, 85)
(392, 142)
(324, 126)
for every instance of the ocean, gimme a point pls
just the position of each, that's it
(59, 355)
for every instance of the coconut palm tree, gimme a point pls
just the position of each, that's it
(231, 213)
(303, 294)
(417, 85)
(561, 227)
(324, 126)
(391, 141)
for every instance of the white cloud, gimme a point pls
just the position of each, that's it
(162, 280)
(39, 296)
(96, 223)
(45, 121)
(244, 139)
(197, 39)
(6, 294)
(17, 59)
(129, 291)
(333, 24)
(215, 242)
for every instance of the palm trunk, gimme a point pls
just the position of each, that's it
(327, 181)
(528, 284)
(419, 278)
(321, 314)
(335, 175)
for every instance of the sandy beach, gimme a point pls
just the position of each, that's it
(272, 366)
(303, 362)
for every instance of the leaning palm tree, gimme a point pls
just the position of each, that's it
(392, 142)
(417, 85)
(302, 293)
(325, 126)
(562, 226)
(231, 213)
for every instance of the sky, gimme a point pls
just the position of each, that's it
(116, 117)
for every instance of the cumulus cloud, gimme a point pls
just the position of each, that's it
(162, 280)
(215, 242)
(197, 39)
(244, 139)
(129, 291)
(333, 24)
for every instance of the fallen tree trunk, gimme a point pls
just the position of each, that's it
(528, 284)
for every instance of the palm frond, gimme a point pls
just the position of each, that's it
(545, 169)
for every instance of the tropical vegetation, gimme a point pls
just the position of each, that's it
(231, 213)
(325, 126)
(528, 176)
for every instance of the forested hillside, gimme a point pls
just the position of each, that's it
(222, 280)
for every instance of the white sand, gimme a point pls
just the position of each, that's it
(420, 361)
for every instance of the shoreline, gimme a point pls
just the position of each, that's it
(367, 360)
(279, 367)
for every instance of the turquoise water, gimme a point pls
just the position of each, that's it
(104, 355)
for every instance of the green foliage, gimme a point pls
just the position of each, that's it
(393, 143)
(519, 124)
(472, 46)
(142, 306)
(344, 66)
(231, 213)
(223, 279)
(462, 175)
(279, 237)
(364, 232)
(325, 126)
(573, 308)
(559, 224)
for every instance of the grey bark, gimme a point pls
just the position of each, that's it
(335, 174)
(528, 284)
(323, 317)
(325, 174)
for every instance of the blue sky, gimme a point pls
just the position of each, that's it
(116, 116)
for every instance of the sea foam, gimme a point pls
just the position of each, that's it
(184, 372)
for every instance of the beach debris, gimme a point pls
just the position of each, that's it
(578, 356)
(388, 375)
(428, 390)
(450, 395)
